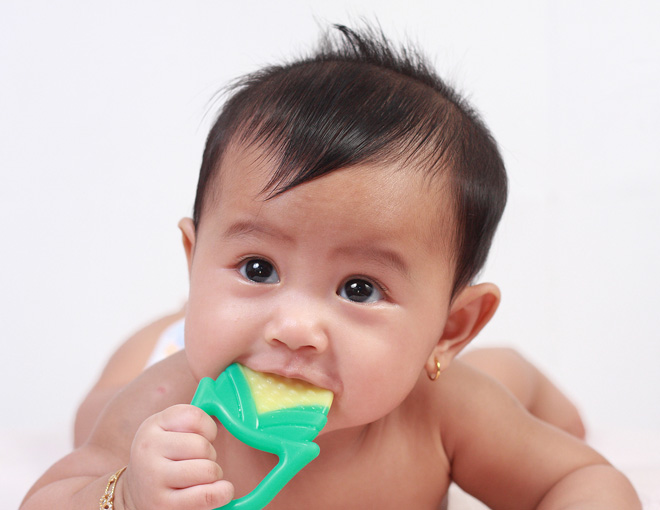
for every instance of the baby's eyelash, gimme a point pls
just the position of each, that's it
(362, 290)
(242, 259)
(381, 286)
(258, 270)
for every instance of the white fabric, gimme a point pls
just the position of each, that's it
(170, 341)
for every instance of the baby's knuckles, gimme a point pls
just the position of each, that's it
(187, 418)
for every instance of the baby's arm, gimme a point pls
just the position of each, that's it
(124, 366)
(507, 458)
(531, 387)
(167, 447)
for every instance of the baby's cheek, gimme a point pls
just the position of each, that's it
(370, 398)
(206, 352)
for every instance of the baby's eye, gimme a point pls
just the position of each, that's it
(259, 270)
(360, 291)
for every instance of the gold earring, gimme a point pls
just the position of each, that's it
(438, 370)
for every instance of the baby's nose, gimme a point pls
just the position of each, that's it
(298, 325)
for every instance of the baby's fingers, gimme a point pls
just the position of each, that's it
(188, 473)
(203, 497)
(183, 446)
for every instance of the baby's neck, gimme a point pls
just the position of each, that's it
(343, 444)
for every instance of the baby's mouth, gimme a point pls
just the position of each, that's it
(272, 392)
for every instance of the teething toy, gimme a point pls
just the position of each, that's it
(270, 413)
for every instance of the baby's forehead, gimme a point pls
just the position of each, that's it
(388, 189)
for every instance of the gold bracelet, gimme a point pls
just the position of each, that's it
(108, 500)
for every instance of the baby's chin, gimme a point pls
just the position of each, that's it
(351, 424)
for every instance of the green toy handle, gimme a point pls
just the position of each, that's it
(286, 433)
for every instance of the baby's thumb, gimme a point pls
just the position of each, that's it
(217, 494)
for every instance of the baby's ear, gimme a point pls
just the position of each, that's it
(469, 313)
(187, 228)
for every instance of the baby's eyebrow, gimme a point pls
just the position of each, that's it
(243, 228)
(385, 256)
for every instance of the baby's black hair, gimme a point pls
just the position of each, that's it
(358, 99)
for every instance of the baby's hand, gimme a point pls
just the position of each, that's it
(173, 463)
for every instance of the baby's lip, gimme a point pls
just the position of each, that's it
(295, 374)
(298, 372)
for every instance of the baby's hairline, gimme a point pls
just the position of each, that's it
(360, 100)
(397, 160)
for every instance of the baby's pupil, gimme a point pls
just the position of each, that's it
(258, 270)
(358, 290)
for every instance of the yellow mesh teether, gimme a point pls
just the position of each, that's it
(271, 392)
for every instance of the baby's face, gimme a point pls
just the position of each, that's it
(343, 281)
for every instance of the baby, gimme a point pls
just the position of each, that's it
(345, 204)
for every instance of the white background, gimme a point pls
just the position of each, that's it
(103, 116)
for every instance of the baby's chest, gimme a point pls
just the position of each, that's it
(380, 481)
(386, 471)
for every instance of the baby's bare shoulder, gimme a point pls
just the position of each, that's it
(453, 404)
(493, 444)
(463, 389)
(468, 402)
